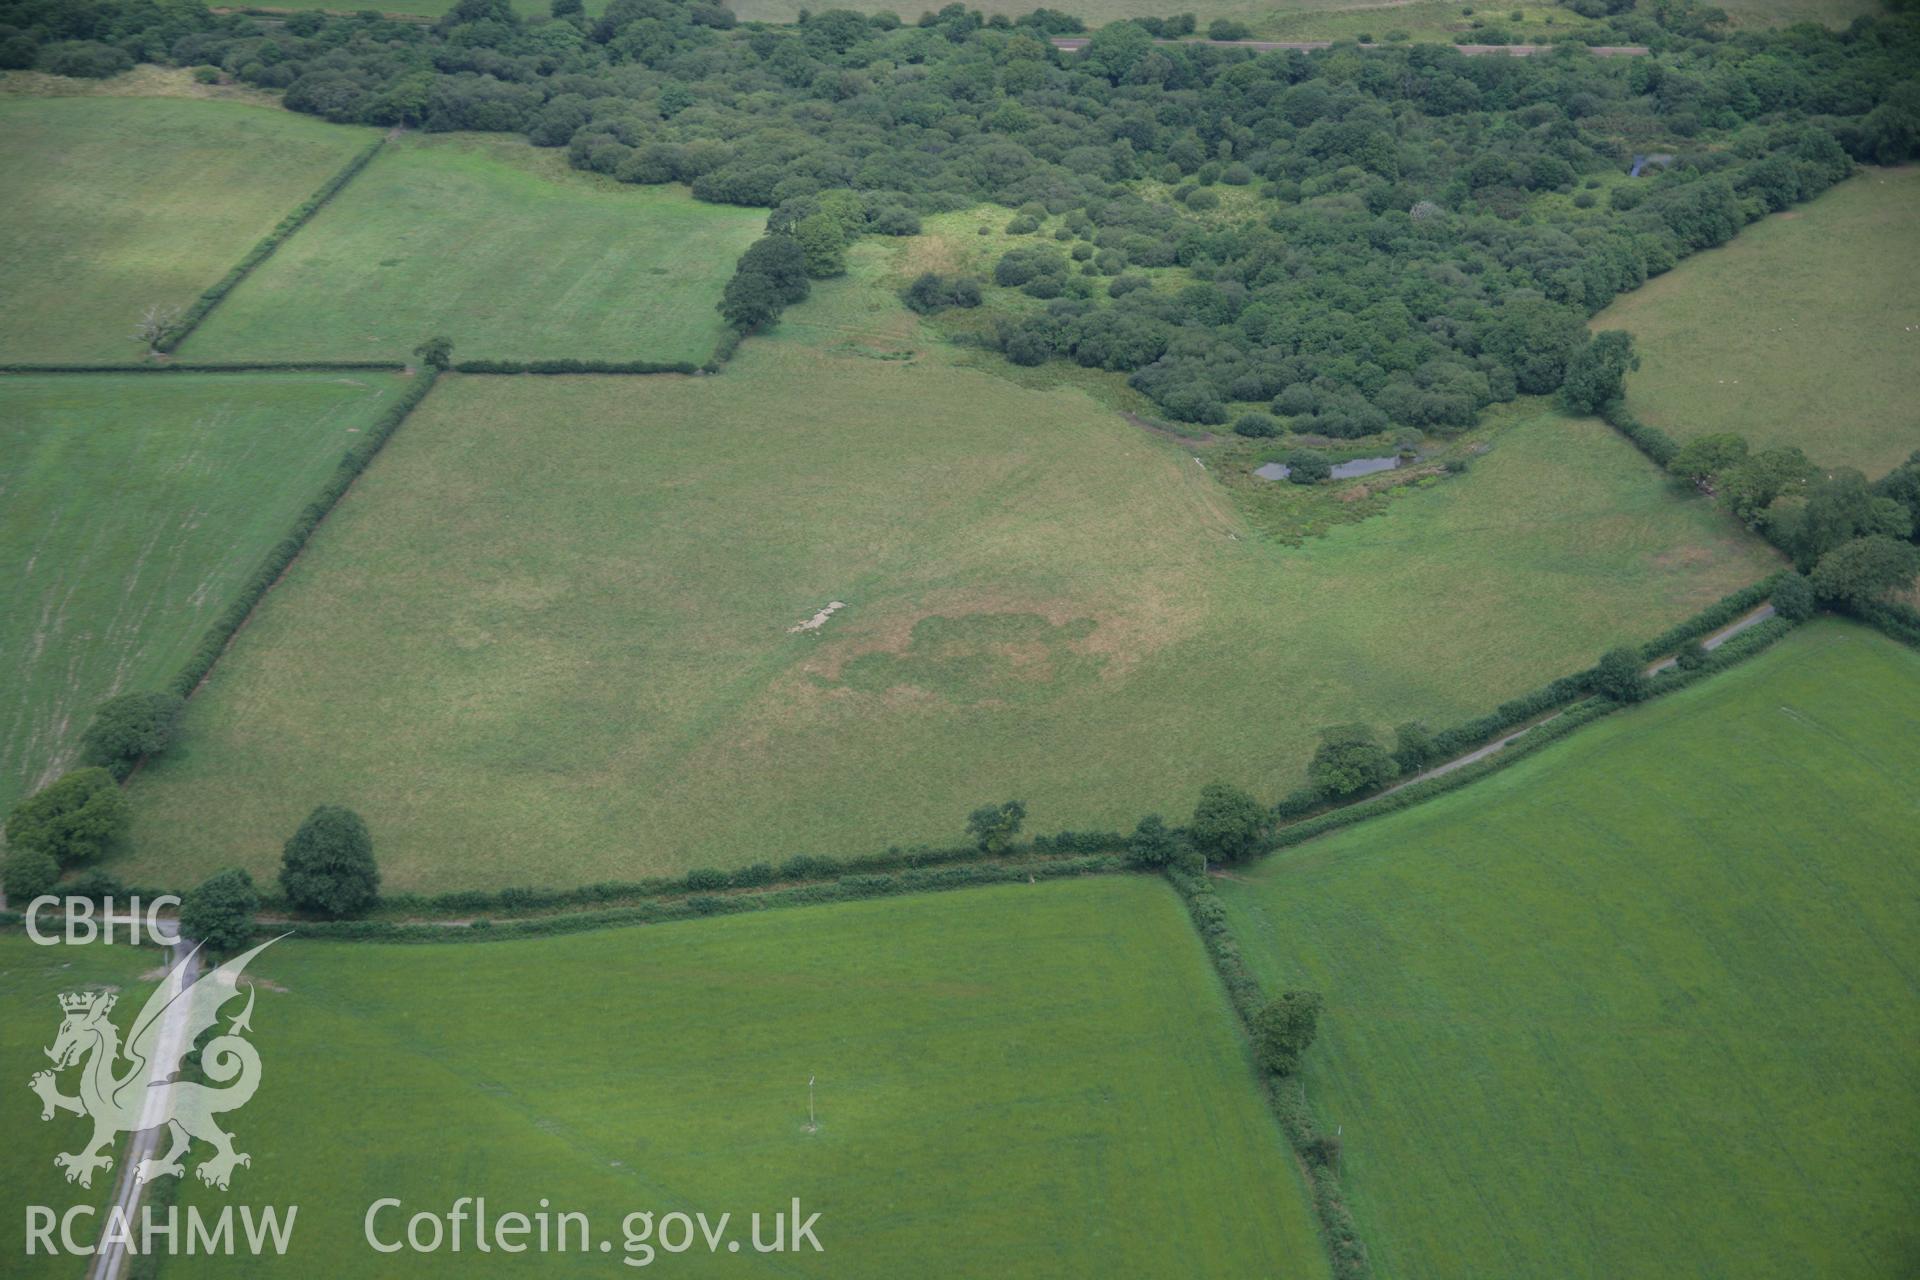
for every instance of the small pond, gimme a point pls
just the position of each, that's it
(1341, 470)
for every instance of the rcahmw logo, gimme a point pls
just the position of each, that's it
(130, 1087)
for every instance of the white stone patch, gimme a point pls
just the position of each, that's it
(819, 619)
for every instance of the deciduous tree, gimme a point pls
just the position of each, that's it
(994, 826)
(1597, 373)
(1620, 675)
(1865, 570)
(1284, 1028)
(29, 874)
(73, 819)
(129, 727)
(219, 910)
(1348, 761)
(327, 868)
(1229, 825)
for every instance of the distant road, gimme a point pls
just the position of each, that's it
(1714, 641)
(1071, 43)
(111, 1262)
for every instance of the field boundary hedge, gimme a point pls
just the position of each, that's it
(1737, 649)
(1554, 696)
(1568, 689)
(1285, 1094)
(241, 607)
(1896, 621)
(723, 351)
(700, 906)
(803, 870)
(565, 366)
(1650, 440)
(1729, 608)
(217, 366)
(182, 328)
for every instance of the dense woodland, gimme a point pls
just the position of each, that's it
(1409, 234)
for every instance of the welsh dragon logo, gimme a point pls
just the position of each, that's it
(144, 1095)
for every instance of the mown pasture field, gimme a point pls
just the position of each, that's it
(1024, 1080)
(1641, 1004)
(499, 246)
(32, 978)
(1803, 330)
(135, 505)
(553, 619)
(114, 204)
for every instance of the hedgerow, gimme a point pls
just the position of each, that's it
(1728, 608)
(1737, 649)
(214, 366)
(723, 350)
(1900, 621)
(574, 366)
(845, 889)
(1284, 1094)
(1392, 801)
(1509, 715)
(798, 870)
(1836, 526)
(188, 678)
(189, 320)
(1652, 441)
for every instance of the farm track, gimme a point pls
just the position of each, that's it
(1713, 641)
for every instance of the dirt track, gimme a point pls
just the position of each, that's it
(1714, 641)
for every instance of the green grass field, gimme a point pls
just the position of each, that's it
(106, 209)
(1642, 1004)
(552, 620)
(501, 247)
(1804, 330)
(1026, 1080)
(135, 505)
(31, 980)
